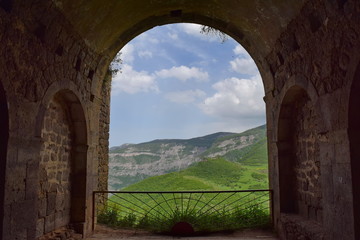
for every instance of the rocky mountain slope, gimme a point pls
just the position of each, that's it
(131, 163)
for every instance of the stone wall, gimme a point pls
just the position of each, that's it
(318, 52)
(55, 171)
(41, 55)
(104, 126)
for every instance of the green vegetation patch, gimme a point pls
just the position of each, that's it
(248, 213)
(211, 174)
(169, 182)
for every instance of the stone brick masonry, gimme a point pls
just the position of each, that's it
(54, 194)
(307, 165)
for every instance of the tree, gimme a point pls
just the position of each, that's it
(215, 32)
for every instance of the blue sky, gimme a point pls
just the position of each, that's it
(178, 83)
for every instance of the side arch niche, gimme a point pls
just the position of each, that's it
(299, 164)
(354, 141)
(4, 136)
(62, 167)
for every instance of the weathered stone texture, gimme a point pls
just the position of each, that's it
(319, 53)
(54, 194)
(41, 54)
(307, 163)
(104, 126)
(49, 46)
(315, 46)
(295, 228)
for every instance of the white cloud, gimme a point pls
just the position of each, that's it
(244, 66)
(239, 50)
(145, 54)
(131, 81)
(184, 73)
(173, 36)
(185, 96)
(195, 31)
(127, 54)
(191, 29)
(236, 98)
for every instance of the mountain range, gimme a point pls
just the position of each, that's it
(131, 163)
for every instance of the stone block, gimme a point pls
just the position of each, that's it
(49, 223)
(32, 188)
(60, 202)
(54, 185)
(67, 201)
(32, 169)
(42, 206)
(59, 221)
(42, 173)
(58, 176)
(51, 203)
(40, 227)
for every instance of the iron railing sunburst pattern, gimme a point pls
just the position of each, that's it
(202, 210)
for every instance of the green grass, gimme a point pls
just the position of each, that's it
(211, 174)
(240, 218)
(175, 181)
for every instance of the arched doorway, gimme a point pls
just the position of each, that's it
(62, 167)
(4, 123)
(354, 141)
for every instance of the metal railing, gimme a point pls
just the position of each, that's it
(202, 210)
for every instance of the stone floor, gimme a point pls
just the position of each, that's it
(104, 233)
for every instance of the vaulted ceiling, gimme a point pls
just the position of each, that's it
(108, 25)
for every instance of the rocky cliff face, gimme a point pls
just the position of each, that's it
(131, 163)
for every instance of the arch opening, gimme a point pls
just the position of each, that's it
(253, 48)
(4, 123)
(63, 165)
(299, 166)
(354, 141)
(234, 93)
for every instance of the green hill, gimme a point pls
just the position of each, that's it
(211, 174)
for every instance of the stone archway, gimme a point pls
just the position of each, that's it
(256, 25)
(354, 141)
(299, 163)
(4, 123)
(63, 165)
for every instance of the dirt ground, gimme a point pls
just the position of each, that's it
(105, 233)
